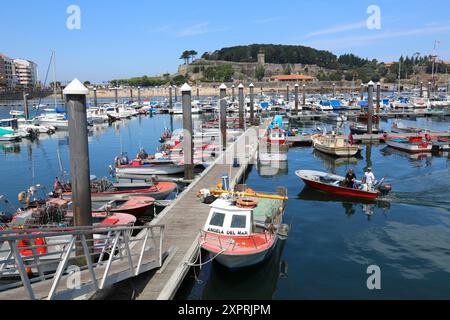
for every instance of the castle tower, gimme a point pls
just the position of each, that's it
(261, 57)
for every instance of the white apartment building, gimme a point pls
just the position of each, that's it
(26, 73)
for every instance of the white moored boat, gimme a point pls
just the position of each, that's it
(334, 144)
(243, 227)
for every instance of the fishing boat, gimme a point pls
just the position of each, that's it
(139, 167)
(362, 129)
(9, 135)
(12, 125)
(399, 127)
(58, 212)
(417, 144)
(334, 144)
(105, 190)
(134, 205)
(334, 184)
(54, 119)
(243, 227)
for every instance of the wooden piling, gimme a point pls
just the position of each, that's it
(370, 107)
(116, 95)
(362, 91)
(223, 115)
(296, 98)
(429, 90)
(304, 95)
(95, 97)
(252, 104)
(241, 107)
(287, 93)
(378, 98)
(421, 89)
(187, 132)
(26, 112)
(232, 93)
(75, 94)
(139, 96)
(334, 90)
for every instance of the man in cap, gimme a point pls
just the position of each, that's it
(370, 178)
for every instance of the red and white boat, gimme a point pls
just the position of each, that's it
(332, 183)
(417, 144)
(136, 206)
(243, 228)
(158, 191)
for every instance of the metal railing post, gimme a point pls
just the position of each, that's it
(61, 267)
(111, 255)
(138, 267)
(89, 260)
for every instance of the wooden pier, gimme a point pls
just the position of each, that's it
(185, 217)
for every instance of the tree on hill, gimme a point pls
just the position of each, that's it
(260, 72)
(185, 56)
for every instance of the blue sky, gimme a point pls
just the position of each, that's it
(132, 38)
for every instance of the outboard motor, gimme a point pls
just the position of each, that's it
(384, 189)
(142, 154)
(121, 160)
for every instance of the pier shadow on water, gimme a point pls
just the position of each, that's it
(215, 282)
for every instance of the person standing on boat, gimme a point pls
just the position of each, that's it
(350, 179)
(370, 178)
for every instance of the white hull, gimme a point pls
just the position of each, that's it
(242, 261)
(339, 152)
(408, 146)
(150, 170)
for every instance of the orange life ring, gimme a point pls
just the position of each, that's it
(246, 203)
(39, 243)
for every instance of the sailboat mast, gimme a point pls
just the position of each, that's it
(54, 78)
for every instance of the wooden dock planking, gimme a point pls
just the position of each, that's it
(184, 219)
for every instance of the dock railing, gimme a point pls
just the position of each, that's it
(35, 262)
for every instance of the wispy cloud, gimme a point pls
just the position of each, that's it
(197, 29)
(338, 29)
(345, 42)
(267, 20)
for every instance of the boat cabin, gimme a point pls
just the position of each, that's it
(226, 219)
(9, 124)
(243, 216)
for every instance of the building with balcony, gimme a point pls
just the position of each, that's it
(26, 73)
(8, 78)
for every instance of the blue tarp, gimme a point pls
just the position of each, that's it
(277, 122)
(264, 105)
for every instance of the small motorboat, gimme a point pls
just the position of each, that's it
(139, 167)
(362, 129)
(399, 127)
(416, 144)
(334, 144)
(243, 227)
(134, 205)
(104, 190)
(332, 183)
(58, 212)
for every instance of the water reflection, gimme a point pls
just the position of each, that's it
(8, 148)
(257, 282)
(268, 169)
(349, 204)
(332, 163)
(418, 159)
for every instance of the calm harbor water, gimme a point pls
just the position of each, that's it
(332, 240)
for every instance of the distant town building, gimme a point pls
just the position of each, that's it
(292, 77)
(8, 78)
(17, 72)
(26, 72)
